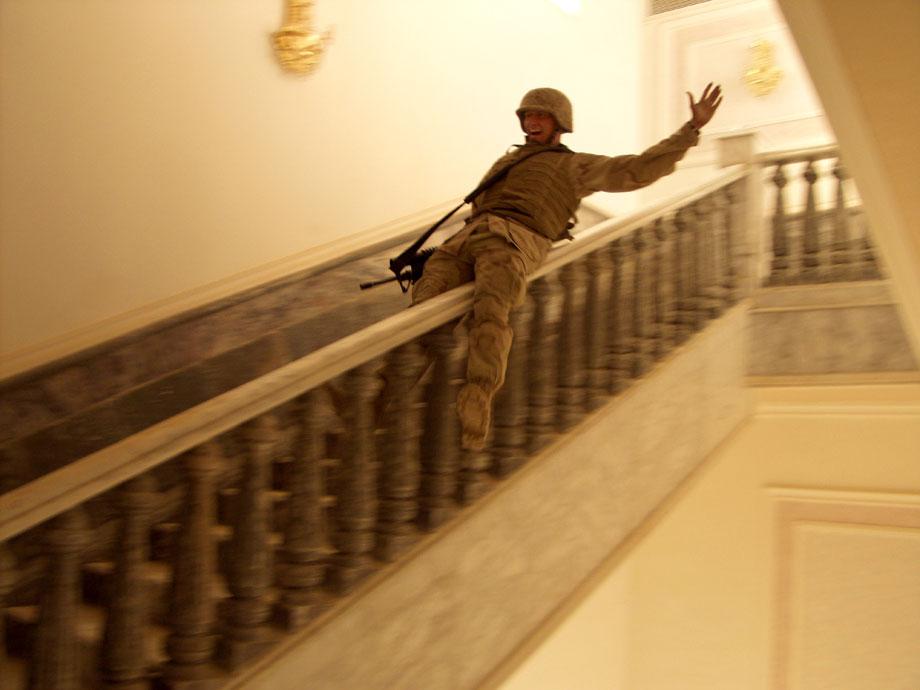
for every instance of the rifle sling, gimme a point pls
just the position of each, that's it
(484, 185)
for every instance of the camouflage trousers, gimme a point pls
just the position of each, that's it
(499, 271)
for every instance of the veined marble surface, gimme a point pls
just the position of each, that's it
(827, 329)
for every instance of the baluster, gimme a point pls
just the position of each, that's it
(14, 463)
(441, 435)
(718, 293)
(571, 387)
(663, 292)
(192, 616)
(641, 359)
(302, 568)
(870, 269)
(620, 323)
(842, 260)
(355, 510)
(779, 270)
(543, 361)
(509, 443)
(682, 277)
(810, 245)
(706, 302)
(56, 663)
(400, 470)
(699, 300)
(247, 611)
(7, 582)
(732, 195)
(600, 277)
(123, 661)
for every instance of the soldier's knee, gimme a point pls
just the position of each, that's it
(502, 280)
(426, 288)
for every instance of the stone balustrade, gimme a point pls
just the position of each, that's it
(181, 554)
(819, 232)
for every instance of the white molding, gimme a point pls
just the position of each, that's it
(819, 495)
(825, 307)
(93, 474)
(886, 394)
(840, 410)
(671, 56)
(311, 260)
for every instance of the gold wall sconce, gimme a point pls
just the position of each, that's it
(763, 75)
(298, 48)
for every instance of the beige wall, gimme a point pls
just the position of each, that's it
(590, 649)
(148, 149)
(743, 573)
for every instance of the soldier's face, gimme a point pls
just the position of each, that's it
(540, 128)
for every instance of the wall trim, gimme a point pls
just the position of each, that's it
(867, 378)
(842, 410)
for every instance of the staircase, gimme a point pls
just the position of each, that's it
(295, 532)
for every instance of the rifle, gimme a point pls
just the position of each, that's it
(415, 259)
(416, 263)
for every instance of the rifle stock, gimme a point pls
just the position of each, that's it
(412, 259)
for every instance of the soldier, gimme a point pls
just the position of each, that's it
(515, 221)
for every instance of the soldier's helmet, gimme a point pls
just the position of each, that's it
(550, 101)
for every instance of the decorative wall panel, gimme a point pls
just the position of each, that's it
(717, 41)
(848, 594)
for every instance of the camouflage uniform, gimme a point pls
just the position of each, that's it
(511, 229)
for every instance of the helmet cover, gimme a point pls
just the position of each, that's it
(546, 100)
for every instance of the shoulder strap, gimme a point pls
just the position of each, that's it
(484, 185)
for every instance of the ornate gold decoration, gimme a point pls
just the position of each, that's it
(298, 48)
(763, 75)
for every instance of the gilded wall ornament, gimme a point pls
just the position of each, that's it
(763, 75)
(298, 48)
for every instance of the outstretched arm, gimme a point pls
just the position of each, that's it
(625, 173)
(702, 111)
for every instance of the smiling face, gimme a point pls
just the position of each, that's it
(540, 127)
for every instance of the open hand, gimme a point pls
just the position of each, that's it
(703, 110)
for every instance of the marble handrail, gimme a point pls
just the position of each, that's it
(827, 239)
(798, 155)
